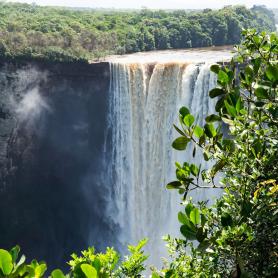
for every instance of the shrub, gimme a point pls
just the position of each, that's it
(237, 236)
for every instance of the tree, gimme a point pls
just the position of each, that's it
(238, 235)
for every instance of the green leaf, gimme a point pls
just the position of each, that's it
(194, 170)
(230, 109)
(213, 118)
(179, 130)
(198, 131)
(189, 207)
(89, 271)
(215, 68)
(14, 253)
(210, 131)
(40, 270)
(181, 191)
(57, 273)
(195, 216)
(219, 104)
(6, 262)
(188, 120)
(272, 72)
(182, 218)
(261, 93)
(188, 232)
(216, 92)
(223, 77)
(180, 143)
(184, 111)
(174, 185)
(97, 264)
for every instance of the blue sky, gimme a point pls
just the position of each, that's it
(156, 4)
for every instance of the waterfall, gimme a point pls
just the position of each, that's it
(144, 103)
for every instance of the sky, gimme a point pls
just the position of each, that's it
(152, 4)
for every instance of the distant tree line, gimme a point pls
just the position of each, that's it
(63, 34)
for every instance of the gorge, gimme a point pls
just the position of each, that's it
(85, 149)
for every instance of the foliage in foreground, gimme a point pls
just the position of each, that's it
(64, 34)
(88, 265)
(237, 236)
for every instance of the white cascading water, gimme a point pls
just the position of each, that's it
(144, 101)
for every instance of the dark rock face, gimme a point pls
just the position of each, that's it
(53, 124)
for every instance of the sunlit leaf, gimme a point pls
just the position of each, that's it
(6, 262)
(89, 271)
(195, 216)
(180, 143)
(188, 120)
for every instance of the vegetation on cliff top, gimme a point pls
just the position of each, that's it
(63, 34)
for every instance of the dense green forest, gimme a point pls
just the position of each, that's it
(63, 34)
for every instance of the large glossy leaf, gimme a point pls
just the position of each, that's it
(6, 262)
(180, 143)
(194, 170)
(188, 120)
(223, 77)
(216, 92)
(210, 130)
(215, 68)
(40, 270)
(89, 271)
(195, 216)
(183, 219)
(219, 104)
(272, 72)
(188, 232)
(57, 273)
(184, 111)
(198, 131)
(230, 109)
